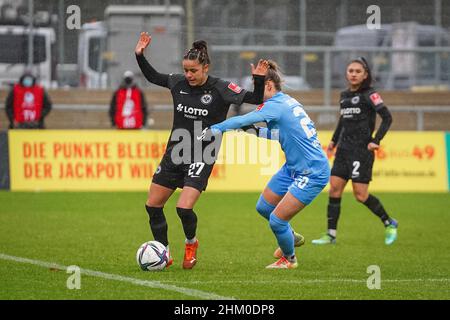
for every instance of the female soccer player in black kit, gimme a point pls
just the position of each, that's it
(199, 101)
(360, 104)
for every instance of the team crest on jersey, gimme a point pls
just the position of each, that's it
(355, 100)
(376, 99)
(260, 107)
(206, 98)
(234, 87)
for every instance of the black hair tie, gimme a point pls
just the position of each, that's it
(364, 62)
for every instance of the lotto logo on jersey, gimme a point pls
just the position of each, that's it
(260, 107)
(192, 111)
(350, 111)
(376, 99)
(234, 87)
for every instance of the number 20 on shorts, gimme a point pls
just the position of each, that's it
(301, 182)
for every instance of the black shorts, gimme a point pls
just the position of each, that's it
(174, 176)
(353, 164)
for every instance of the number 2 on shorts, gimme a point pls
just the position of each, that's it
(356, 165)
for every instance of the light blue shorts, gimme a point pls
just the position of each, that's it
(303, 187)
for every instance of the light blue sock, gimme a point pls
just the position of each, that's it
(264, 208)
(283, 233)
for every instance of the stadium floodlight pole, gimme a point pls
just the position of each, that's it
(343, 14)
(190, 22)
(327, 79)
(437, 39)
(30, 34)
(167, 13)
(61, 31)
(302, 23)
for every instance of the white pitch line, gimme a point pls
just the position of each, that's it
(146, 283)
(305, 281)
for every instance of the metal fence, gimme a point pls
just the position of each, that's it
(330, 67)
(419, 118)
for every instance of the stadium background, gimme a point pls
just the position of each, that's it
(101, 230)
(416, 108)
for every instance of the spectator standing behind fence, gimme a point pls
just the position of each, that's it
(27, 104)
(128, 108)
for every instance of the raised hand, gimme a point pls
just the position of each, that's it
(143, 42)
(261, 67)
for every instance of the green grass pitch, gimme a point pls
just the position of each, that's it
(102, 231)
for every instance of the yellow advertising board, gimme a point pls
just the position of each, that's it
(246, 163)
(84, 160)
(411, 161)
(407, 161)
(113, 160)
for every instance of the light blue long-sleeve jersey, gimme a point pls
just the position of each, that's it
(287, 122)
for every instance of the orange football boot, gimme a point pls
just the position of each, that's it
(190, 255)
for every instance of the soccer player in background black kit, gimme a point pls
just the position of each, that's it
(199, 101)
(359, 105)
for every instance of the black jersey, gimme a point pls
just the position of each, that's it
(199, 107)
(196, 108)
(356, 125)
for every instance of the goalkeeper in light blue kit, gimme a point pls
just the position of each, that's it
(303, 176)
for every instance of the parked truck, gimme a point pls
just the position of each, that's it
(14, 54)
(106, 49)
(396, 70)
(91, 48)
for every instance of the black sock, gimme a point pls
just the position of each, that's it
(189, 221)
(377, 208)
(158, 224)
(334, 210)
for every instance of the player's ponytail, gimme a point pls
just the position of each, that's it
(367, 83)
(274, 74)
(199, 51)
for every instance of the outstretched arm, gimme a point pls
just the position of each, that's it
(261, 132)
(149, 72)
(245, 122)
(238, 122)
(266, 112)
